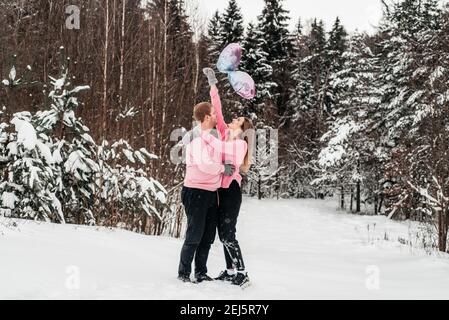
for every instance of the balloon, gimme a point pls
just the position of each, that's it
(228, 62)
(229, 58)
(243, 84)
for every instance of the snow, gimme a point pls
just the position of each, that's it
(12, 74)
(46, 153)
(293, 249)
(9, 200)
(436, 74)
(161, 197)
(129, 155)
(140, 157)
(58, 206)
(26, 134)
(79, 89)
(59, 83)
(76, 162)
(69, 118)
(335, 150)
(12, 148)
(34, 173)
(57, 158)
(87, 137)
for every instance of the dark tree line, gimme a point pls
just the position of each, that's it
(359, 116)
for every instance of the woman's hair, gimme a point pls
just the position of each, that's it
(249, 136)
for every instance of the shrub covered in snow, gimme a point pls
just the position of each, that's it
(53, 169)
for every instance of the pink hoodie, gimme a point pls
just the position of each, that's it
(204, 165)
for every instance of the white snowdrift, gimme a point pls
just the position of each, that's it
(294, 249)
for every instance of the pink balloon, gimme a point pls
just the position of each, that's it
(230, 58)
(243, 84)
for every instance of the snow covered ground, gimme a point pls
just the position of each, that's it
(294, 249)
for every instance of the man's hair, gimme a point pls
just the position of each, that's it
(201, 110)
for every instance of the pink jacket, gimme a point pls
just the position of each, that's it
(204, 164)
(232, 152)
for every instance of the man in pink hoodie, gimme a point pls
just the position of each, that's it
(204, 172)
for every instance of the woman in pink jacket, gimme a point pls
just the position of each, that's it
(237, 138)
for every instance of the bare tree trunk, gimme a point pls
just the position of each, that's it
(153, 97)
(197, 68)
(342, 200)
(357, 209)
(442, 230)
(376, 200)
(105, 73)
(379, 210)
(352, 199)
(122, 54)
(165, 91)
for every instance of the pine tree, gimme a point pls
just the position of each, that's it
(231, 24)
(76, 157)
(215, 43)
(297, 37)
(312, 69)
(179, 35)
(303, 119)
(29, 187)
(178, 24)
(349, 151)
(414, 112)
(273, 25)
(254, 61)
(399, 59)
(335, 47)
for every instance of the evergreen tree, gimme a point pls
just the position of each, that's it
(349, 152)
(178, 19)
(401, 29)
(29, 188)
(273, 25)
(231, 24)
(254, 62)
(312, 69)
(215, 43)
(335, 47)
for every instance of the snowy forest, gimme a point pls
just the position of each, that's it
(88, 114)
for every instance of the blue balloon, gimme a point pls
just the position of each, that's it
(243, 84)
(229, 58)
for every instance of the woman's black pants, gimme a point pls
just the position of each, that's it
(228, 211)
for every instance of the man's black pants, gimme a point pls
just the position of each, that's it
(202, 219)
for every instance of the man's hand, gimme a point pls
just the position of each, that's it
(210, 74)
(229, 169)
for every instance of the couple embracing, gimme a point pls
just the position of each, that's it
(216, 153)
